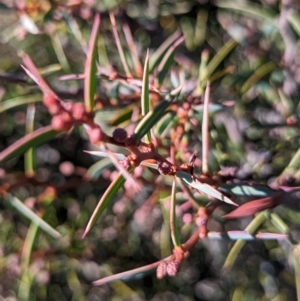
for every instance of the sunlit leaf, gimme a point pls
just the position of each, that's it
(244, 235)
(203, 187)
(247, 189)
(175, 235)
(212, 108)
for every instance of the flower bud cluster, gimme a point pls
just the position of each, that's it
(66, 113)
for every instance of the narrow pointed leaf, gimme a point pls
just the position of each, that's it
(25, 211)
(271, 236)
(29, 158)
(104, 154)
(110, 192)
(257, 75)
(95, 171)
(237, 247)
(150, 119)
(145, 99)
(277, 221)
(122, 115)
(165, 123)
(216, 61)
(245, 235)
(19, 101)
(248, 190)
(130, 274)
(175, 235)
(205, 130)
(35, 75)
(90, 68)
(203, 187)
(294, 19)
(133, 50)
(248, 8)
(168, 60)
(255, 206)
(212, 108)
(160, 52)
(33, 139)
(119, 45)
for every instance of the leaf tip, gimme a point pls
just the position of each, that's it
(85, 233)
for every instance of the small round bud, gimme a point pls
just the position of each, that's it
(95, 134)
(161, 270)
(78, 111)
(57, 123)
(164, 168)
(292, 120)
(49, 100)
(68, 120)
(52, 104)
(173, 268)
(120, 135)
(54, 110)
(62, 122)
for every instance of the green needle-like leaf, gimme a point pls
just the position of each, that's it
(160, 52)
(33, 139)
(237, 247)
(24, 210)
(29, 157)
(248, 8)
(94, 172)
(257, 75)
(19, 101)
(175, 235)
(216, 61)
(90, 68)
(294, 19)
(145, 100)
(151, 119)
(168, 60)
(110, 192)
